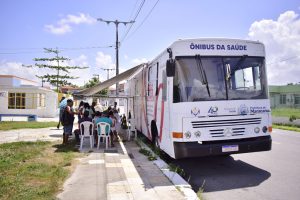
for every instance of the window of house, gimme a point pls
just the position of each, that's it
(16, 100)
(282, 99)
(297, 98)
(41, 100)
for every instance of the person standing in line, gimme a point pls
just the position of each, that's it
(118, 121)
(68, 120)
(93, 109)
(87, 107)
(60, 113)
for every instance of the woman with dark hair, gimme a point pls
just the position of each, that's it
(80, 110)
(88, 108)
(93, 109)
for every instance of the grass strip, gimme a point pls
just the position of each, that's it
(286, 112)
(4, 126)
(287, 127)
(34, 170)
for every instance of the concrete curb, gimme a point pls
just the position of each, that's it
(175, 178)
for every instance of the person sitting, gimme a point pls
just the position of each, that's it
(95, 119)
(85, 118)
(113, 127)
(105, 118)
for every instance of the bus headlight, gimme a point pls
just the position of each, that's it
(197, 134)
(187, 135)
(265, 129)
(257, 129)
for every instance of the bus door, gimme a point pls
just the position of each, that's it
(152, 84)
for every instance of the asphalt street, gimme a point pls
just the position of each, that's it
(267, 175)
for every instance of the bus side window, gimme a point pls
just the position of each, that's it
(164, 88)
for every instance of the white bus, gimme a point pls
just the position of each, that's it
(203, 97)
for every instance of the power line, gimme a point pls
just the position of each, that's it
(133, 8)
(144, 19)
(136, 15)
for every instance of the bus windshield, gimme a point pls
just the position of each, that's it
(219, 78)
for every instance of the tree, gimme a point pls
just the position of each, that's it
(94, 81)
(56, 79)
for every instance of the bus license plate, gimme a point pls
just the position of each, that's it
(230, 148)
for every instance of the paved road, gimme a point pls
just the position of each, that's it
(44, 134)
(264, 175)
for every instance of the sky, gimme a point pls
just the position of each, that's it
(28, 26)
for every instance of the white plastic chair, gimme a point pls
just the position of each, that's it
(86, 130)
(101, 129)
(131, 129)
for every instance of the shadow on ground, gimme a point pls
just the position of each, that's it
(221, 173)
(70, 147)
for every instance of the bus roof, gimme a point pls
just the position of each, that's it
(215, 47)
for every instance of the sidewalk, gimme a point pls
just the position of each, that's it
(119, 173)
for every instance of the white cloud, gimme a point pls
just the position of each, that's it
(282, 40)
(105, 61)
(64, 25)
(16, 69)
(83, 74)
(138, 61)
(58, 30)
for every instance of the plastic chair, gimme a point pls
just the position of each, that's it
(86, 130)
(131, 129)
(101, 129)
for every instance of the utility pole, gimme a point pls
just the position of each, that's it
(107, 69)
(116, 22)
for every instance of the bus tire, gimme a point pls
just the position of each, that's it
(154, 134)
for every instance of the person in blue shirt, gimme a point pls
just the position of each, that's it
(105, 118)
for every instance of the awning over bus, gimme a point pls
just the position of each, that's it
(97, 88)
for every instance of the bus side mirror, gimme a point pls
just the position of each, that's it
(170, 68)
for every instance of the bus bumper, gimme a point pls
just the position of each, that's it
(194, 149)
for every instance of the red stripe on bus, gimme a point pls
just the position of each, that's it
(160, 86)
(161, 119)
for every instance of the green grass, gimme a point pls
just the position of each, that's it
(4, 126)
(286, 112)
(200, 191)
(288, 127)
(176, 169)
(34, 170)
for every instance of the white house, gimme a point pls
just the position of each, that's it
(22, 96)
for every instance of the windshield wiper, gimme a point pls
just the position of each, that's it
(202, 73)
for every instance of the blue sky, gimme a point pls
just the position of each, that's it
(29, 25)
